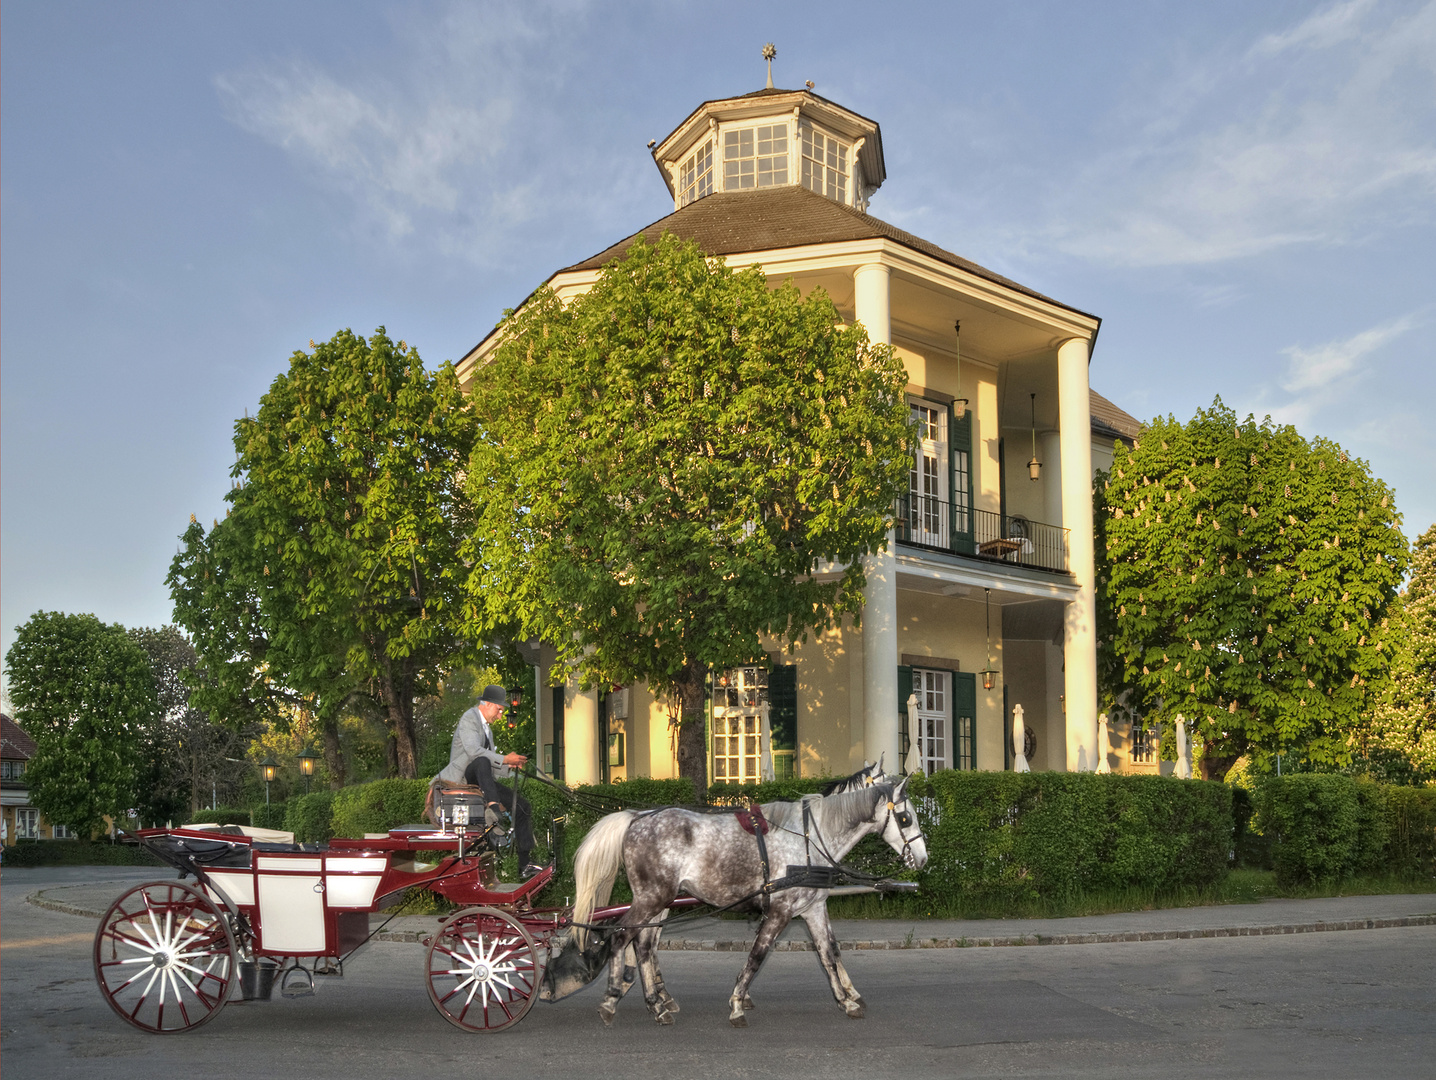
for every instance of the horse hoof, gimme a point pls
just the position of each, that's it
(748, 1004)
(607, 1015)
(738, 1021)
(663, 1018)
(670, 1004)
(855, 1010)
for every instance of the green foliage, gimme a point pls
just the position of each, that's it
(1402, 742)
(378, 807)
(184, 758)
(310, 817)
(1244, 581)
(769, 791)
(1021, 836)
(1327, 828)
(84, 692)
(77, 853)
(666, 457)
(335, 573)
(269, 815)
(224, 815)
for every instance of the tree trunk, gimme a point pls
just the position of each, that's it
(333, 753)
(692, 747)
(399, 713)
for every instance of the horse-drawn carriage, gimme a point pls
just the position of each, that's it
(169, 954)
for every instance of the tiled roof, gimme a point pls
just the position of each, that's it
(1108, 417)
(771, 219)
(14, 743)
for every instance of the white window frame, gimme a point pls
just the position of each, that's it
(929, 513)
(739, 697)
(934, 733)
(695, 174)
(825, 164)
(27, 823)
(61, 832)
(735, 157)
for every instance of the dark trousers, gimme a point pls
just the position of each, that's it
(481, 775)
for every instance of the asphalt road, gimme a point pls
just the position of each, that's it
(1341, 1004)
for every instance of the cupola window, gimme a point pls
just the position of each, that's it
(755, 157)
(695, 176)
(825, 164)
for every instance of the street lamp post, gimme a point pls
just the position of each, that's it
(270, 767)
(307, 758)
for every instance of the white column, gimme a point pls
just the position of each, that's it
(580, 735)
(871, 300)
(1080, 648)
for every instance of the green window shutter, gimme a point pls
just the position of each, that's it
(964, 720)
(783, 706)
(904, 691)
(959, 452)
(558, 747)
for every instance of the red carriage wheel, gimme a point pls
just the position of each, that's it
(483, 970)
(165, 957)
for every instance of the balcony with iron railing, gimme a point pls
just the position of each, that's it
(939, 525)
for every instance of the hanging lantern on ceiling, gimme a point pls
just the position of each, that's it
(1034, 467)
(989, 673)
(959, 404)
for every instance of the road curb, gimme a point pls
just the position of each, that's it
(911, 941)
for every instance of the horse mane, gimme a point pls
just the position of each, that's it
(846, 808)
(833, 786)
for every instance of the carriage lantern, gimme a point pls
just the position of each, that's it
(307, 758)
(269, 767)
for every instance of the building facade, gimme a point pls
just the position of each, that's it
(22, 820)
(983, 599)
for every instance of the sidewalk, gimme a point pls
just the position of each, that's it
(732, 935)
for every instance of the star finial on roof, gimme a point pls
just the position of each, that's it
(769, 52)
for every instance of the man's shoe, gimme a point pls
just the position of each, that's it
(532, 870)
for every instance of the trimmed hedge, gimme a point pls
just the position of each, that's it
(311, 817)
(268, 815)
(1325, 827)
(377, 807)
(1027, 836)
(223, 816)
(76, 853)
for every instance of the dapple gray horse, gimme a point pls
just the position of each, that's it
(673, 851)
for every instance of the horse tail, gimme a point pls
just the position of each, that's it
(596, 865)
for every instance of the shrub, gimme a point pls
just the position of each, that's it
(268, 815)
(77, 853)
(311, 817)
(1327, 827)
(1314, 819)
(1026, 836)
(770, 791)
(225, 815)
(377, 807)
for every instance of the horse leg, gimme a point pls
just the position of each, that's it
(660, 1001)
(618, 962)
(773, 924)
(826, 945)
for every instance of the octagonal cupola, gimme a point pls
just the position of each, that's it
(773, 138)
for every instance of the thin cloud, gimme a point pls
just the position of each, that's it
(1321, 134)
(454, 152)
(1323, 29)
(1316, 368)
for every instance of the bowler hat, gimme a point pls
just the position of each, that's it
(495, 694)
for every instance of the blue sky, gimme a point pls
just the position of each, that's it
(1246, 193)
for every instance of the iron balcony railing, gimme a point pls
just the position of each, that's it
(938, 525)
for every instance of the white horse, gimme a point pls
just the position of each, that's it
(710, 856)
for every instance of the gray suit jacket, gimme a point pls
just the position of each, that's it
(472, 739)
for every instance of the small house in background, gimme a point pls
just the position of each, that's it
(984, 598)
(22, 821)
